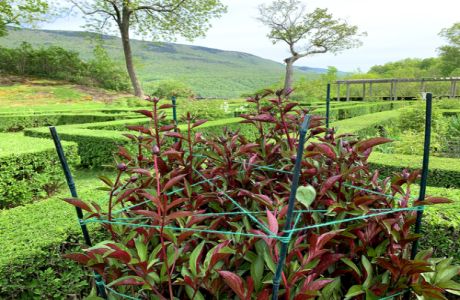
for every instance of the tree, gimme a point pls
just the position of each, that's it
(318, 31)
(17, 12)
(450, 54)
(154, 19)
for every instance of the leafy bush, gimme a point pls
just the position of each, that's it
(168, 205)
(59, 63)
(29, 173)
(105, 73)
(165, 89)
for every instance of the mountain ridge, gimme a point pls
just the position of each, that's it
(209, 71)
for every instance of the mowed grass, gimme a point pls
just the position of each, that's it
(48, 95)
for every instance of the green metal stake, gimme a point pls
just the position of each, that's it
(287, 226)
(73, 192)
(423, 183)
(328, 104)
(173, 99)
(426, 158)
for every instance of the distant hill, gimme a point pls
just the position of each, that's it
(210, 72)
(317, 70)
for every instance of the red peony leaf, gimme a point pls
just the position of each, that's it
(144, 112)
(179, 214)
(165, 106)
(327, 185)
(327, 150)
(174, 134)
(272, 222)
(78, 203)
(167, 127)
(198, 123)
(248, 147)
(264, 118)
(234, 282)
(78, 257)
(173, 181)
(124, 153)
(365, 145)
(142, 172)
(138, 128)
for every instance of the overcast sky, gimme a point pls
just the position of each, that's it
(396, 29)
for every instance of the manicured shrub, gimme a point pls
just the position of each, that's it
(12, 122)
(443, 172)
(30, 169)
(34, 237)
(441, 225)
(171, 207)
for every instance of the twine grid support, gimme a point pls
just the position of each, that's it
(295, 182)
(290, 227)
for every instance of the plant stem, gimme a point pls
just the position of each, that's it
(163, 216)
(109, 216)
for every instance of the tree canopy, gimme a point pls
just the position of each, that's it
(18, 12)
(155, 19)
(450, 53)
(306, 33)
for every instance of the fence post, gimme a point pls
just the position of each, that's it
(73, 191)
(328, 104)
(287, 226)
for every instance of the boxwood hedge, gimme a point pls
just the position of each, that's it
(29, 168)
(34, 236)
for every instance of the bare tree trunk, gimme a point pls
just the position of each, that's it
(124, 30)
(289, 78)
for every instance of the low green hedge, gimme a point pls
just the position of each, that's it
(13, 122)
(443, 172)
(34, 237)
(29, 168)
(342, 113)
(96, 147)
(366, 125)
(441, 225)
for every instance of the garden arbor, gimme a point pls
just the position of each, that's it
(393, 84)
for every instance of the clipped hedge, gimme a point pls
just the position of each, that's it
(443, 172)
(96, 147)
(441, 225)
(366, 125)
(342, 113)
(13, 122)
(29, 168)
(34, 237)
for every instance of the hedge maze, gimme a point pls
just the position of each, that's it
(32, 243)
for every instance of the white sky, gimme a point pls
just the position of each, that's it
(396, 29)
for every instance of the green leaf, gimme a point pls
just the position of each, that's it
(306, 195)
(269, 261)
(368, 267)
(194, 257)
(354, 291)
(141, 248)
(257, 271)
(351, 265)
